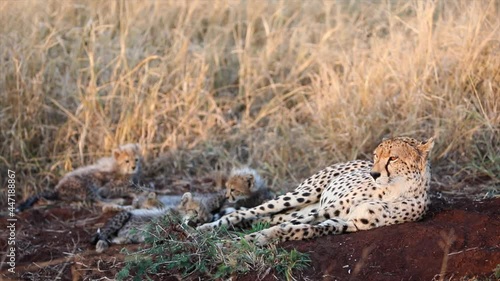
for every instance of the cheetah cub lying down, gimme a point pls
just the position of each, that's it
(200, 208)
(145, 200)
(347, 197)
(244, 189)
(110, 177)
(129, 225)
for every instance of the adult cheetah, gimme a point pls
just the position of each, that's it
(347, 197)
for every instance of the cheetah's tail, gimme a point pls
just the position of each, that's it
(28, 203)
(102, 237)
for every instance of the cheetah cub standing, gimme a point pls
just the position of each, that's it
(352, 196)
(110, 177)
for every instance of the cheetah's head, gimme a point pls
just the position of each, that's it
(128, 159)
(192, 211)
(399, 159)
(239, 187)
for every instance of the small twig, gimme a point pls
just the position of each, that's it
(466, 250)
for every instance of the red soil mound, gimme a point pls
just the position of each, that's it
(54, 243)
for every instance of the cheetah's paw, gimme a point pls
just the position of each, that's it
(101, 246)
(258, 238)
(207, 227)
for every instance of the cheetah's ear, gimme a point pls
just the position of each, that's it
(250, 181)
(426, 146)
(186, 198)
(137, 147)
(117, 153)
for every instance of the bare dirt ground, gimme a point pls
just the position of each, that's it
(464, 235)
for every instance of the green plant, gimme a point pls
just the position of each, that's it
(180, 249)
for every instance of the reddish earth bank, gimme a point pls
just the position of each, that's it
(459, 237)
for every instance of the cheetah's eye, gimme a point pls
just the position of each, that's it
(136, 159)
(393, 158)
(126, 161)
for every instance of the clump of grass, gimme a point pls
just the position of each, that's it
(496, 271)
(213, 255)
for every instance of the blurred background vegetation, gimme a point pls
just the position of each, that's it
(287, 87)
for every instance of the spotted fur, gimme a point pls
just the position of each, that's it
(110, 177)
(129, 225)
(145, 200)
(246, 189)
(200, 208)
(126, 227)
(348, 197)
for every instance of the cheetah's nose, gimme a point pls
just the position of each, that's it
(375, 175)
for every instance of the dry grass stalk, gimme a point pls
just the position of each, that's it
(294, 85)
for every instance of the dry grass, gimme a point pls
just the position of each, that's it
(288, 87)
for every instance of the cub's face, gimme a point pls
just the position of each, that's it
(239, 187)
(191, 211)
(128, 159)
(399, 159)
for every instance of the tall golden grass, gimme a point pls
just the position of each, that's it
(285, 86)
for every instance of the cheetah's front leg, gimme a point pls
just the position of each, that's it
(289, 231)
(365, 216)
(287, 201)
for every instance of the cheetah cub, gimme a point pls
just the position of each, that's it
(126, 227)
(246, 189)
(145, 200)
(199, 209)
(110, 177)
(130, 225)
(348, 197)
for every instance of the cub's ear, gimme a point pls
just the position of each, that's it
(186, 198)
(117, 153)
(137, 148)
(152, 195)
(250, 181)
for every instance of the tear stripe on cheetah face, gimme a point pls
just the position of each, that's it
(308, 192)
(355, 201)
